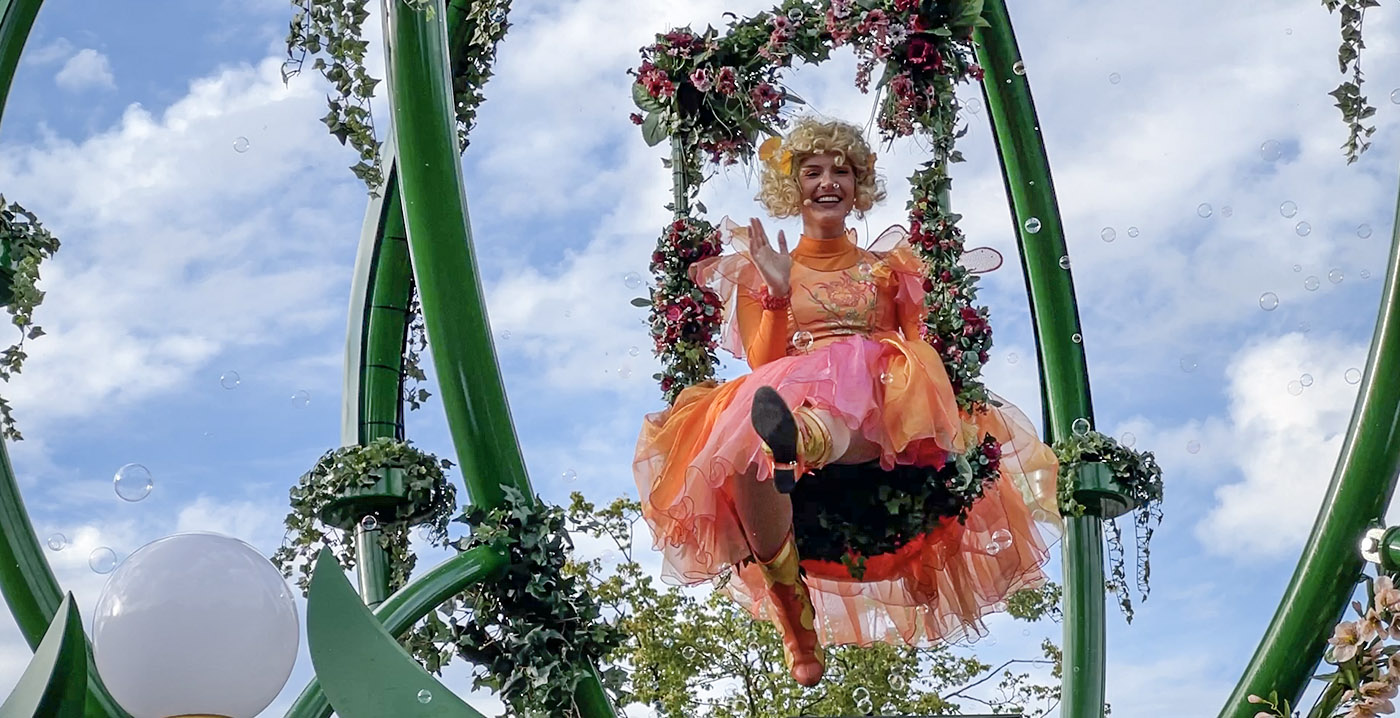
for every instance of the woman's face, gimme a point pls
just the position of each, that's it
(828, 189)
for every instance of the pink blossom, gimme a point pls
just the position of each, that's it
(727, 82)
(703, 78)
(902, 86)
(1370, 626)
(1387, 595)
(1345, 641)
(841, 9)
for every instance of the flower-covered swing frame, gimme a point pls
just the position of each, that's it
(713, 96)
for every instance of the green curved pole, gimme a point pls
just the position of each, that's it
(16, 20)
(1064, 375)
(409, 605)
(1361, 488)
(444, 265)
(55, 683)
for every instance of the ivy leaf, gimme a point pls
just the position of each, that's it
(652, 131)
(641, 302)
(644, 100)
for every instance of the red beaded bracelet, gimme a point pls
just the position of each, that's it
(771, 302)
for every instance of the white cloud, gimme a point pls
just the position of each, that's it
(1284, 445)
(87, 69)
(59, 49)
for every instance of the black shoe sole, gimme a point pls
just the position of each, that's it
(774, 423)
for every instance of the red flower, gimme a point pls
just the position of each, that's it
(970, 315)
(902, 86)
(928, 285)
(902, 5)
(726, 82)
(703, 78)
(673, 313)
(666, 383)
(976, 71)
(636, 118)
(924, 53)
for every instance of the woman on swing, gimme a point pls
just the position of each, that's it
(840, 375)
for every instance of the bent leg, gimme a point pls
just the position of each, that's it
(764, 513)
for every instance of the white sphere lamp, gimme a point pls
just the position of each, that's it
(195, 624)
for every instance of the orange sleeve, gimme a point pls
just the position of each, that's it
(764, 331)
(910, 319)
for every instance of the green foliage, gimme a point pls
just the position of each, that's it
(1354, 106)
(1138, 474)
(24, 245)
(329, 31)
(411, 390)
(532, 634)
(692, 657)
(431, 501)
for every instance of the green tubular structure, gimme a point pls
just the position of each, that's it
(1064, 376)
(444, 265)
(445, 268)
(16, 19)
(1360, 491)
(55, 683)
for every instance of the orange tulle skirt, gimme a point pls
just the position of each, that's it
(895, 393)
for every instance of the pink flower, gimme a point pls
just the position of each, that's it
(1345, 641)
(636, 118)
(1387, 595)
(902, 5)
(902, 86)
(703, 78)
(673, 313)
(1370, 626)
(766, 97)
(841, 9)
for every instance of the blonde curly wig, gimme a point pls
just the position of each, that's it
(779, 191)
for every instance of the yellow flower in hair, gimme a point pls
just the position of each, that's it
(771, 153)
(870, 163)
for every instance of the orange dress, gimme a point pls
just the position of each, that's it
(849, 344)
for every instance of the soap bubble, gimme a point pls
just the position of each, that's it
(230, 380)
(57, 542)
(1288, 208)
(1080, 427)
(1204, 210)
(1268, 301)
(240, 144)
(1033, 225)
(102, 560)
(1353, 376)
(632, 280)
(132, 482)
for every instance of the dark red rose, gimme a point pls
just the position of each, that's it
(636, 118)
(928, 285)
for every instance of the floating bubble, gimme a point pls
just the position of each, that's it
(1304, 327)
(57, 542)
(1364, 231)
(973, 105)
(898, 683)
(1064, 262)
(1295, 387)
(632, 280)
(1132, 231)
(1395, 96)
(1033, 225)
(1012, 358)
(1080, 427)
(505, 334)
(1268, 301)
(633, 351)
(240, 144)
(1108, 234)
(230, 380)
(1297, 267)
(1077, 338)
(570, 475)
(301, 398)
(624, 372)
(1002, 539)
(1193, 447)
(865, 705)
(886, 377)
(688, 652)
(1128, 439)
(888, 708)
(1288, 208)
(802, 340)
(1335, 276)
(1353, 376)
(999, 606)
(1114, 78)
(1271, 150)
(1365, 274)
(1204, 210)
(1227, 211)
(1288, 31)
(1019, 68)
(1303, 229)
(795, 15)
(369, 523)
(425, 696)
(1311, 284)
(132, 482)
(102, 560)
(1306, 380)
(1188, 363)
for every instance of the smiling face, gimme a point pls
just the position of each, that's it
(828, 186)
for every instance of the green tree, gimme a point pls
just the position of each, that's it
(688, 656)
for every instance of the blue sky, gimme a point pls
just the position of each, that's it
(184, 259)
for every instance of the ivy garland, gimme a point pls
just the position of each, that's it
(24, 245)
(329, 31)
(1136, 473)
(1354, 106)
(431, 501)
(715, 95)
(533, 633)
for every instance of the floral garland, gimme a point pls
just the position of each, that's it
(1368, 662)
(715, 95)
(1141, 478)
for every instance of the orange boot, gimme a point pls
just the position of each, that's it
(793, 614)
